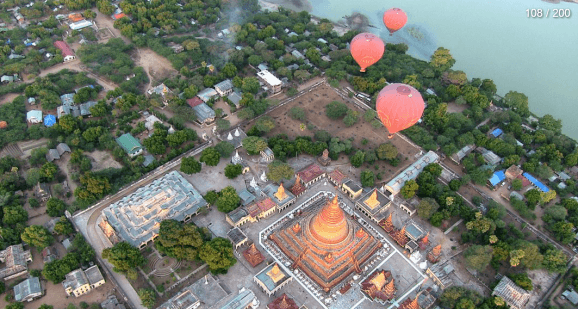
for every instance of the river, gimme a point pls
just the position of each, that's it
(489, 39)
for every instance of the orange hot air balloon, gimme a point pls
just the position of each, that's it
(399, 106)
(366, 49)
(394, 19)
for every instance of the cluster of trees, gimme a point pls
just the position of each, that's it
(161, 140)
(456, 297)
(80, 253)
(337, 110)
(48, 89)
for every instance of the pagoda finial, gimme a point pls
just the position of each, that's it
(253, 249)
(390, 287)
(281, 195)
(437, 250)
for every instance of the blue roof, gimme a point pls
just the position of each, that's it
(497, 177)
(49, 120)
(497, 132)
(536, 182)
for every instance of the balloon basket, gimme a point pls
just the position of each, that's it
(390, 136)
(362, 70)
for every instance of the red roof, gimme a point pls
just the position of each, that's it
(525, 181)
(194, 101)
(337, 175)
(64, 48)
(283, 302)
(309, 173)
(119, 16)
(266, 204)
(253, 210)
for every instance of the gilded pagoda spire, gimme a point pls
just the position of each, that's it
(372, 201)
(281, 195)
(389, 289)
(329, 225)
(437, 250)
(424, 242)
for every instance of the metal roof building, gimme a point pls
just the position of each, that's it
(207, 94)
(80, 24)
(204, 113)
(245, 298)
(536, 182)
(460, 155)
(27, 290)
(497, 132)
(513, 295)
(136, 218)
(34, 116)
(497, 178)
(411, 172)
(224, 88)
(235, 98)
(130, 144)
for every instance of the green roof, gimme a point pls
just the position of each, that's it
(129, 143)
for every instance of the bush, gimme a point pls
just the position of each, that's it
(233, 170)
(33, 202)
(367, 178)
(297, 113)
(336, 110)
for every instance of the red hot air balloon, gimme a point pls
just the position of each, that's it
(399, 106)
(394, 19)
(366, 49)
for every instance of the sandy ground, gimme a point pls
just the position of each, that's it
(156, 66)
(7, 98)
(101, 160)
(456, 108)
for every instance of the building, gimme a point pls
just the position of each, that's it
(283, 302)
(279, 196)
(74, 17)
(513, 172)
(234, 137)
(272, 82)
(409, 303)
(267, 155)
(185, 299)
(379, 286)
(536, 182)
(237, 217)
(237, 237)
(111, 303)
(460, 155)
(571, 296)
(207, 290)
(205, 114)
(337, 177)
(311, 174)
(34, 116)
(52, 155)
(411, 172)
(150, 122)
(497, 178)
(374, 204)
(207, 94)
(224, 88)
(490, 157)
(440, 274)
(496, 133)
(272, 278)
(297, 54)
(246, 196)
(253, 255)
(79, 282)
(62, 148)
(324, 159)
(262, 67)
(28, 290)
(80, 24)
(513, 295)
(235, 98)
(130, 145)
(159, 89)
(136, 218)
(48, 254)
(298, 188)
(324, 244)
(15, 261)
(42, 191)
(67, 53)
(244, 300)
(352, 188)
(409, 208)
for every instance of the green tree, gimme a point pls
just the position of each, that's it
(180, 241)
(357, 159)
(517, 184)
(33, 202)
(386, 151)
(478, 257)
(409, 189)
(265, 124)
(442, 60)
(233, 170)
(56, 271)
(351, 118)
(218, 254)
(427, 207)
(367, 178)
(48, 171)
(37, 236)
(522, 281)
(55, 207)
(297, 113)
(33, 176)
(63, 227)
(563, 231)
(210, 156)
(369, 115)
(189, 165)
(225, 149)
(211, 197)
(14, 214)
(555, 261)
(254, 144)
(228, 200)
(148, 297)
(518, 102)
(533, 196)
(250, 84)
(229, 70)
(532, 258)
(123, 257)
(336, 110)
(279, 170)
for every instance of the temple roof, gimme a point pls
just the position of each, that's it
(310, 172)
(272, 276)
(253, 255)
(329, 225)
(281, 195)
(337, 176)
(379, 285)
(409, 304)
(283, 302)
(386, 223)
(400, 237)
(298, 187)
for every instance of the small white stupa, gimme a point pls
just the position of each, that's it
(253, 183)
(237, 133)
(171, 130)
(237, 158)
(264, 177)
(230, 137)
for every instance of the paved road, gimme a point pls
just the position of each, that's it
(85, 222)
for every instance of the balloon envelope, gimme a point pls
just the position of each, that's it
(366, 49)
(49, 120)
(399, 106)
(394, 19)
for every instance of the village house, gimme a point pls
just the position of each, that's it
(15, 260)
(28, 290)
(237, 237)
(224, 88)
(34, 116)
(80, 282)
(272, 82)
(130, 145)
(67, 53)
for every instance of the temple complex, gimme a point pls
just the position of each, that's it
(435, 254)
(325, 244)
(253, 255)
(379, 286)
(279, 196)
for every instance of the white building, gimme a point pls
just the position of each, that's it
(411, 172)
(80, 24)
(273, 83)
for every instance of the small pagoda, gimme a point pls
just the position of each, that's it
(400, 237)
(283, 302)
(298, 188)
(386, 224)
(424, 242)
(435, 254)
(379, 286)
(280, 194)
(409, 303)
(324, 159)
(253, 255)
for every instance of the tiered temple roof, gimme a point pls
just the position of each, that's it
(283, 302)
(253, 255)
(298, 187)
(325, 244)
(281, 195)
(434, 255)
(400, 237)
(324, 159)
(310, 173)
(409, 304)
(374, 204)
(386, 224)
(424, 242)
(379, 285)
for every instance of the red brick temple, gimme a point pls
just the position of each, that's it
(298, 188)
(283, 302)
(400, 237)
(253, 255)
(379, 285)
(409, 304)
(435, 255)
(386, 224)
(325, 244)
(424, 242)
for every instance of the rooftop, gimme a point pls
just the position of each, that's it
(272, 276)
(236, 236)
(93, 274)
(309, 173)
(237, 135)
(27, 287)
(237, 214)
(241, 301)
(75, 279)
(64, 48)
(194, 101)
(253, 255)
(204, 112)
(497, 132)
(497, 178)
(130, 144)
(536, 182)
(337, 176)
(269, 78)
(235, 98)
(411, 172)
(514, 295)
(225, 85)
(283, 302)
(206, 94)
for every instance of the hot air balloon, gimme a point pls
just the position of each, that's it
(399, 106)
(366, 49)
(394, 19)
